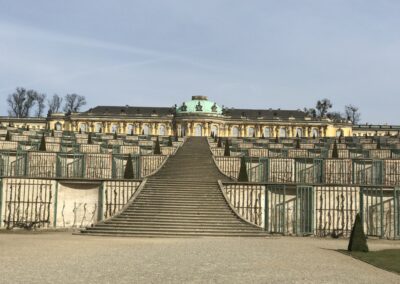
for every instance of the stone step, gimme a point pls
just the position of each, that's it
(182, 199)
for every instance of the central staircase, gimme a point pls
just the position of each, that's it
(182, 199)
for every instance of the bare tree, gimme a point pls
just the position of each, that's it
(54, 104)
(310, 112)
(335, 115)
(21, 102)
(323, 106)
(74, 102)
(40, 98)
(352, 113)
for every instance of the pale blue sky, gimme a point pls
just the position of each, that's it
(244, 54)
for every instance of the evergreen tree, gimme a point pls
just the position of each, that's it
(52, 133)
(131, 132)
(378, 144)
(27, 127)
(276, 139)
(8, 136)
(243, 177)
(298, 143)
(157, 149)
(142, 131)
(128, 174)
(335, 152)
(227, 151)
(358, 240)
(254, 134)
(115, 135)
(80, 131)
(100, 130)
(215, 138)
(262, 136)
(89, 139)
(170, 142)
(176, 137)
(42, 146)
(219, 143)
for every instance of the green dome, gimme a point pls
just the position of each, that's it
(199, 105)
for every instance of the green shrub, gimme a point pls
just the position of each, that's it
(128, 174)
(227, 151)
(89, 140)
(170, 142)
(243, 177)
(358, 240)
(8, 136)
(42, 146)
(335, 153)
(157, 149)
(219, 143)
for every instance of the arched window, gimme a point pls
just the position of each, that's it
(235, 131)
(98, 128)
(299, 132)
(145, 130)
(214, 129)
(267, 132)
(83, 127)
(339, 132)
(130, 129)
(114, 128)
(282, 132)
(162, 130)
(250, 132)
(198, 130)
(58, 126)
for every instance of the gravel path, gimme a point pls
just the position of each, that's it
(65, 258)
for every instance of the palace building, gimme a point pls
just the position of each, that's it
(197, 117)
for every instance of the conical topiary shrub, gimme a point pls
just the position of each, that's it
(219, 143)
(243, 177)
(115, 135)
(176, 137)
(215, 138)
(212, 134)
(157, 149)
(227, 151)
(276, 139)
(80, 131)
(335, 152)
(262, 136)
(8, 136)
(170, 142)
(52, 133)
(358, 240)
(378, 144)
(100, 130)
(340, 138)
(89, 139)
(42, 146)
(128, 174)
(297, 143)
(131, 133)
(27, 127)
(254, 134)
